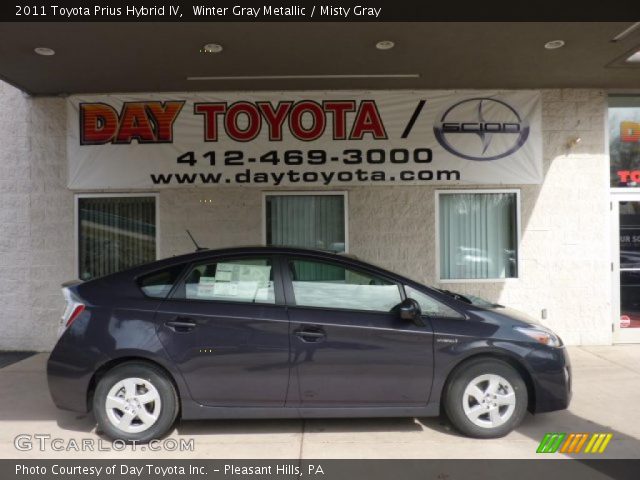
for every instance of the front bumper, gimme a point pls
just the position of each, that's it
(551, 374)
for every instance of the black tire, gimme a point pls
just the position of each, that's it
(462, 377)
(169, 403)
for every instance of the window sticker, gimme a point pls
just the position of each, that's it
(223, 275)
(236, 281)
(233, 281)
(246, 273)
(255, 273)
(262, 294)
(206, 287)
(225, 289)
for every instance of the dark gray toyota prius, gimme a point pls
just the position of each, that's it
(283, 332)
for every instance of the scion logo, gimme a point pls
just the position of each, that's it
(499, 129)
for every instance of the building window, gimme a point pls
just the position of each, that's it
(115, 233)
(624, 140)
(478, 234)
(309, 220)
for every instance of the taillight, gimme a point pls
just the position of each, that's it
(76, 312)
(72, 311)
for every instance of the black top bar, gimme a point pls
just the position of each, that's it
(337, 11)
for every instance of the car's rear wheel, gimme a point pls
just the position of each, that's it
(486, 398)
(135, 401)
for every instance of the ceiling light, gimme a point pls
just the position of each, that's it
(553, 44)
(47, 52)
(306, 77)
(385, 45)
(211, 48)
(635, 58)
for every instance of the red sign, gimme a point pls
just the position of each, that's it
(629, 132)
(146, 122)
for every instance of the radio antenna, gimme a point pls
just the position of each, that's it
(198, 247)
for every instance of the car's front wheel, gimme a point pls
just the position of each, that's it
(135, 401)
(486, 398)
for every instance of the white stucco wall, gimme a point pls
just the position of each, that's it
(36, 219)
(564, 249)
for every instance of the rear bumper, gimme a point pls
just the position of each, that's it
(551, 372)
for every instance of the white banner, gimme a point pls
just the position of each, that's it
(331, 139)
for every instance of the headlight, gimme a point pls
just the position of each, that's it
(541, 335)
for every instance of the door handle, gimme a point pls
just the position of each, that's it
(311, 336)
(181, 325)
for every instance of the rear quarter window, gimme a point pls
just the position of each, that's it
(158, 284)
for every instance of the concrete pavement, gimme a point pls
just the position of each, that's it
(606, 399)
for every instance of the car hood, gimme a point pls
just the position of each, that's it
(516, 314)
(510, 315)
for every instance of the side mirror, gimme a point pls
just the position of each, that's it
(410, 310)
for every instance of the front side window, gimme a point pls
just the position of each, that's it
(307, 221)
(429, 305)
(248, 280)
(320, 284)
(115, 233)
(478, 235)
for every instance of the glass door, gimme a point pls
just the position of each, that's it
(626, 268)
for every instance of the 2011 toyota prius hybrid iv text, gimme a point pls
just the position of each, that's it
(284, 332)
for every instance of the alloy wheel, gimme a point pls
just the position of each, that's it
(133, 405)
(489, 401)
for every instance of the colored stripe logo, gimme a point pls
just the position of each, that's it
(556, 442)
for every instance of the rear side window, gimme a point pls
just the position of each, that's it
(247, 280)
(158, 284)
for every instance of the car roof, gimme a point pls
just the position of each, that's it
(256, 249)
